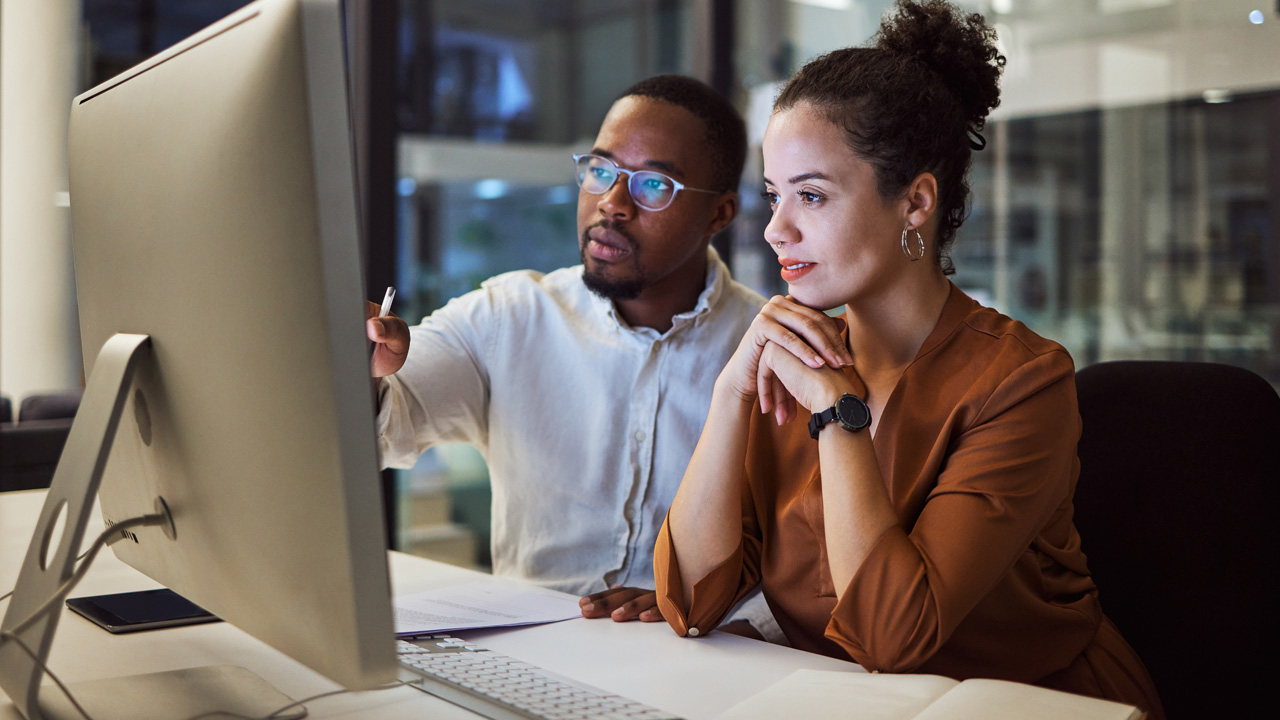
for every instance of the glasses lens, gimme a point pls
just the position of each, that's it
(651, 190)
(595, 174)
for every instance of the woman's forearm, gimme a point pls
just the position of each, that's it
(705, 519)
(856, 507)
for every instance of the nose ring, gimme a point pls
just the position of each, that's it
(778, 244)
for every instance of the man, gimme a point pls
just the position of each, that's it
(586, 388)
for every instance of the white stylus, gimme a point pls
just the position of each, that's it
(386, 302)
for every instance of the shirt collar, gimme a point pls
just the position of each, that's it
(717, 271)
(957, 308)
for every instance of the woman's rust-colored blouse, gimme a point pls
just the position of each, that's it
(984, 577)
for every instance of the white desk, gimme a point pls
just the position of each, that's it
(695, 678)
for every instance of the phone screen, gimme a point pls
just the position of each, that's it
(142, 610)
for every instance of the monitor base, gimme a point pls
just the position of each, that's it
(185, 693)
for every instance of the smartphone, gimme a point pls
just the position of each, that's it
(141, 610)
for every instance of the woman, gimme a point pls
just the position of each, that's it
(904, 496)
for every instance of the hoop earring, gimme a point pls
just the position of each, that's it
(919, 242)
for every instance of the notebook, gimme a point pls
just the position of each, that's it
(879, 696)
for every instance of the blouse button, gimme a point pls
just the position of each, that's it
(693, 632)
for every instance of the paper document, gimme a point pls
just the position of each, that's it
(480, 604)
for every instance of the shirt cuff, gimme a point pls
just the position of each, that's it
(712, 597)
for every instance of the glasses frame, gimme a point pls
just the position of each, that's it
(631, 175)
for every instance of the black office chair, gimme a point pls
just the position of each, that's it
(1176, 505)
(51, 405)
(6, 409)
(31, 447)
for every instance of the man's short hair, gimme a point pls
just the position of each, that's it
(725, 131)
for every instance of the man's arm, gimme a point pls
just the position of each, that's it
(438, 392)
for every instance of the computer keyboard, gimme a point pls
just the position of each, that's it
(503, 688)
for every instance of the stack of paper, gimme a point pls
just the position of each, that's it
(480, 604)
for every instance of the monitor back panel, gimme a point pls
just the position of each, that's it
(213, 208)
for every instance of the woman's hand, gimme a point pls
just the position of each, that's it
(809, 336)
(785, 381)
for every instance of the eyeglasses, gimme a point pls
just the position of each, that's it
(650, 190)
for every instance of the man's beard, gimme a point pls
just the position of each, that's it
(624, 289)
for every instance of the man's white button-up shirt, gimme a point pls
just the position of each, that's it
(587, 424)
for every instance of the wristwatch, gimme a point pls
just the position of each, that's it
(849, 411)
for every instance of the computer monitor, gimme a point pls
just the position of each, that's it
(213, 209)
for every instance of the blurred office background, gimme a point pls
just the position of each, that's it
(1127, 203)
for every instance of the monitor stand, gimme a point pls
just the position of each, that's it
(50, 561)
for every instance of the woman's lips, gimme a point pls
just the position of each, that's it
(607, 245)
(793, 270)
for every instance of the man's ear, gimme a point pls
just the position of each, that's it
(921, 198)
(726, 210)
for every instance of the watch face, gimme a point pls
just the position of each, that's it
(853, 412)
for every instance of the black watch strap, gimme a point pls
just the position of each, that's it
(820, 420)
(850, 412)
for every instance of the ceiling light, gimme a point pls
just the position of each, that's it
(490, 189)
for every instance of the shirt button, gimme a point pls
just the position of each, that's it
(693, 632)
(629, 513)
(640, 436)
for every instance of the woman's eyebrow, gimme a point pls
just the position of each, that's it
(807, 176)
(802, 177)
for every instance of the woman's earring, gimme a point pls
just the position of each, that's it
(919, 242)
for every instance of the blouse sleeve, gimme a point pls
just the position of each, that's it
(1005, 475)
(717, 592)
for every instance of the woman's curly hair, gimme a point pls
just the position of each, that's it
(914, 102)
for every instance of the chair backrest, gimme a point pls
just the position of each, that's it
(1177, 498)
(6, 409)
(50, 406)
(30, 448)
(29, 452)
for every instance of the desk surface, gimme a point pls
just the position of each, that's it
(695, 678)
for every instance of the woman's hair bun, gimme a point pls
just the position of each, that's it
(960, 47)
